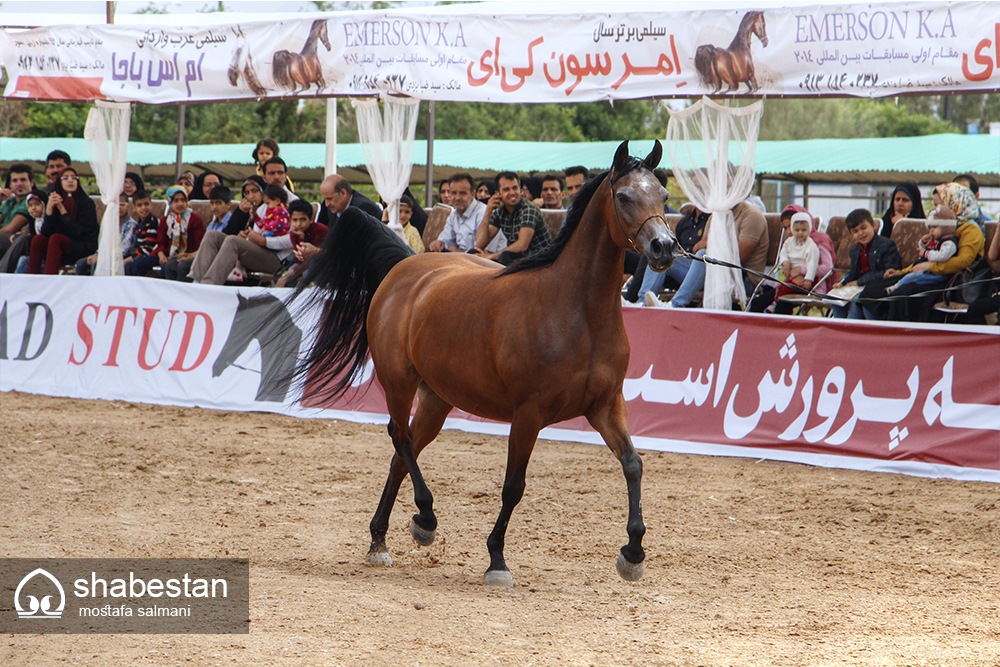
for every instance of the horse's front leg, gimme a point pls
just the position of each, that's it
(610, 419)
(523, 434)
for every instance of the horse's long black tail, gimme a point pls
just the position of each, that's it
(281, 62)
(355, 257)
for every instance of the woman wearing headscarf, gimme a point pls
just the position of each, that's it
(70, 228)
(970, 241)
(485, 190)
(245, 215)
(904, 203)
(204, 184)
(133, 182)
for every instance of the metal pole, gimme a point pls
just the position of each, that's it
(429, 197)
(331, 137)
(181, 113)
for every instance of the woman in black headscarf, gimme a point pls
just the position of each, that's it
(904, 203)
(485, 190)
(204, 184)
(133, 182)
(245, 214)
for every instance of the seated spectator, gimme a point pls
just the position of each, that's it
(980, 308)
(970, 241)
(552, 193)
(904, 203)
(126, 238)
(798, 258)
(969, 181)
(419, 217)
(179, 234)
(337, 195)
(304, 233)
(690, 234)
(753, 240)
(177, 268)
(275, 221)
(824, 272)
(54, 164)
(444, 192)
(871, 256)
(14, 215)
(70, 230)
(264, 151)
(485, 190)
(276, 173)
(518, 219)
(254, 251)
(531, 189)
(406, 207)
(938, 245)
(146, 229)
(459, 233)
(186, 181)
(575, 179)
(20, 246)
(204, 184)
(133, 182)
(245, 216)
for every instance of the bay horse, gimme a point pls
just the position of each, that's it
(537, 343)
(302, 69)
(733, 65)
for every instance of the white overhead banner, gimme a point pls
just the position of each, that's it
(865, 50)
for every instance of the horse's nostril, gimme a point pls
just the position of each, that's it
(656, 247)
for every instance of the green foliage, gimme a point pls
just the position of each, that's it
(58, 119)
(893, 121)
(796, 119)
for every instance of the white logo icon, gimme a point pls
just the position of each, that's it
(39, 608)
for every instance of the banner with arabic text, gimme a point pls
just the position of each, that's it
(860, 50)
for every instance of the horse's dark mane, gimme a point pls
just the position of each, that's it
(547, 256)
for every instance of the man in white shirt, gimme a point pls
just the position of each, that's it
(459, 234)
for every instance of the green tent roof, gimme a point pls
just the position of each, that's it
(928, 159)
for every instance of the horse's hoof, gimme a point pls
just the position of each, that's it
(630, 571)
(379, 558)
(424, 537)
(502, 578)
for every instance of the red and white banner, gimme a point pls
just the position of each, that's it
(834, 393)
(861, 50)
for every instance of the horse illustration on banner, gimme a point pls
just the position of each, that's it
(265, 319)
(288, 70)
(734, 65)
(302, 69)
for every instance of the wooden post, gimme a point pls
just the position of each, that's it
(178, 166)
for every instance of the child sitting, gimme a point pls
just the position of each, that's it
(146, 227)
(276, 221)
(406, 206)
(798, 257)
(871, 255)
(16, 258)
(938, 245)
(307, 236)
(126, 226)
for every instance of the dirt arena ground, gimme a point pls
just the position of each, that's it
(749, 562)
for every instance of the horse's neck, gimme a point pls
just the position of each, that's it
(311, 44)
(591, 260)
(741, 42)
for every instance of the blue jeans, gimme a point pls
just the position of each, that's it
(689, 273)
(925, 278)
(854, 311)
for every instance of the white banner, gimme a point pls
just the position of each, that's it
(838, 49)
(151, 341)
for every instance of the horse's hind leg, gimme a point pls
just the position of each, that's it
(523, 434)
(427, 422)
(610, 419)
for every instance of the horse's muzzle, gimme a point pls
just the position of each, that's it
(659, 252)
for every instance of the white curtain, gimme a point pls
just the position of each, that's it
(711, 149)
(387, 144)
(107, 148)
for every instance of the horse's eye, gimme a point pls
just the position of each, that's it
(622, 198)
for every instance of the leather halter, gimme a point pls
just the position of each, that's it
(614, 203)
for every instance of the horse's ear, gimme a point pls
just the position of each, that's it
(654, 156)
(621, 157)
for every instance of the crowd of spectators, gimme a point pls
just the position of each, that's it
(269, 230)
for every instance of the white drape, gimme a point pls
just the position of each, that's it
(711, 149)
(386, 144)
(107, 148)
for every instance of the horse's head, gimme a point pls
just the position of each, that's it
(323, 36)
(637, 198)
(760, 28)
